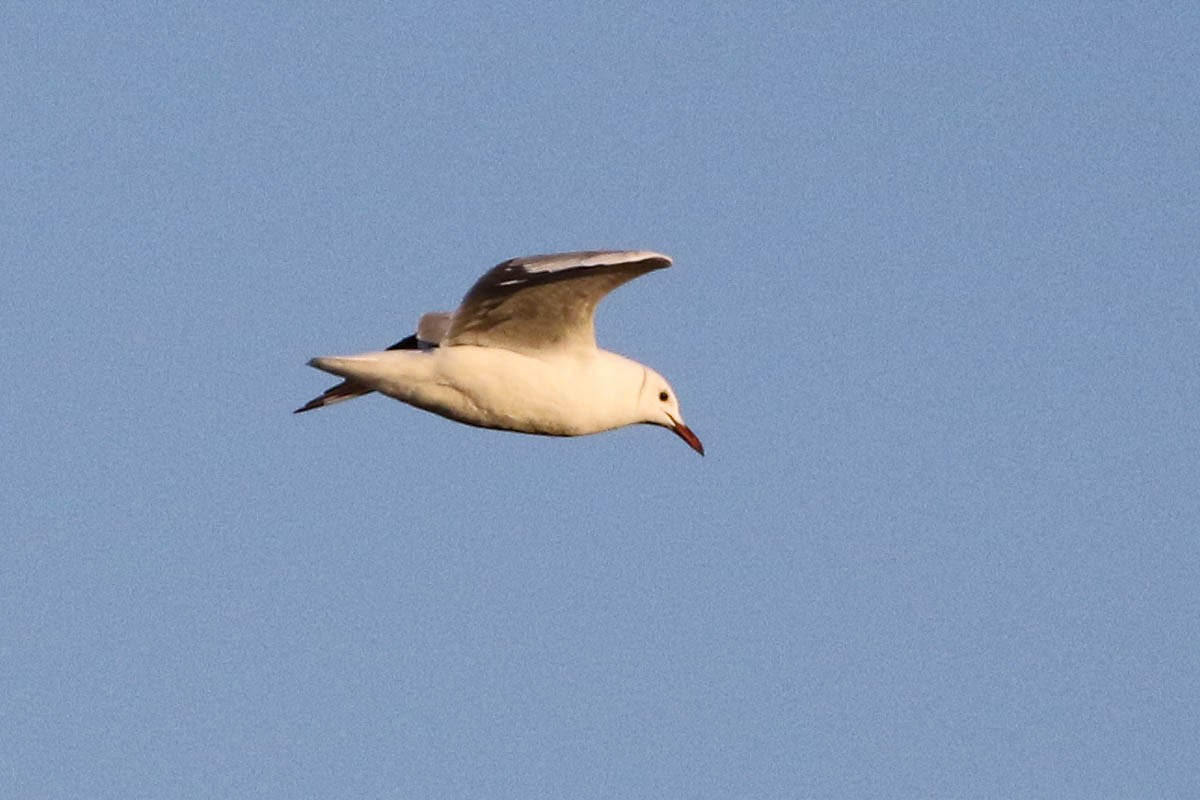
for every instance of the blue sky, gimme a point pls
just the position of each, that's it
(935, 314)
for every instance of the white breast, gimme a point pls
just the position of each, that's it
(553, 395)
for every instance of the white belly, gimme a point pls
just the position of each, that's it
(493, 388)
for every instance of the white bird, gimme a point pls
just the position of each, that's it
(520, 354)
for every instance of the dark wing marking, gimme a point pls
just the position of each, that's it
(407, 343)
(431, 330)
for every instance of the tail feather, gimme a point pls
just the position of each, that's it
(346, 390)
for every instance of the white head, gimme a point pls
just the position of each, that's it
(658, 405)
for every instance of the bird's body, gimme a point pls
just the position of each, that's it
(496, 388)
(519, 355)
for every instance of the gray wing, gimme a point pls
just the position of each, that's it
(545, 302)
(432, 327)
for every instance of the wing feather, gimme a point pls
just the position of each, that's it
(545, 302)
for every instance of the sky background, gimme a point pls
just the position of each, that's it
(935, 313)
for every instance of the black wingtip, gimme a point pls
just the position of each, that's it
(407, 343)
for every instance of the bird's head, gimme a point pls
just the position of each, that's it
(659, 406)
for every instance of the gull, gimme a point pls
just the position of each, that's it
(519, 354)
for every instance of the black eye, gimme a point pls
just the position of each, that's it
(663, 396)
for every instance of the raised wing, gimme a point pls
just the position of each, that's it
(545, 302)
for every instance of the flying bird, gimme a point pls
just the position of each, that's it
(519, 354)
